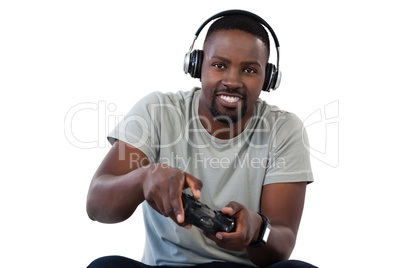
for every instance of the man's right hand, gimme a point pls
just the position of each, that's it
(126, 178)
(162, 188)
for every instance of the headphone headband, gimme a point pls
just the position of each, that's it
(193, 59)
(239, 12)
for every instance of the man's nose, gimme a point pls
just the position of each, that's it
(232, 78)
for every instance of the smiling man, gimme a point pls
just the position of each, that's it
(220, 143)
(233, 75)
(232, 78)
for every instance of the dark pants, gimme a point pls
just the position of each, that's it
(123, 262)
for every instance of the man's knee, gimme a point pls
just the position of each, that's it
(116, 262)
(292, 264)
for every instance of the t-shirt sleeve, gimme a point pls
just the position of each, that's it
(139, 127)
(289, 159)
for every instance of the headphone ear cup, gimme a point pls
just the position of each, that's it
(268, 77)
(198, 64)
(195, 63)
(271, 78)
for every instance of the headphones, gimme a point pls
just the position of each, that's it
(193, 58)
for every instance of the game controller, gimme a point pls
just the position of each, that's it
(205, 218)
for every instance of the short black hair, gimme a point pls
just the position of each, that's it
(239, 22)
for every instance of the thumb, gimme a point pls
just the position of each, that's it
(231, 208)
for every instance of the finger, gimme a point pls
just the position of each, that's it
(231, 208)
(187, 226)
(225, 240)
(177, 211)
(165, 205)
(194, 184)
(175, 193)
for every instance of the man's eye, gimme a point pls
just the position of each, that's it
(250, 70)
(219, 65)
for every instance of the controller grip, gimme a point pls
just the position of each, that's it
(205, 218)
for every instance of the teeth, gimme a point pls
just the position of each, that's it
(229, 98)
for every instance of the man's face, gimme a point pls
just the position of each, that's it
(232, 75)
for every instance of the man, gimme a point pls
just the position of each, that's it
(222, 144)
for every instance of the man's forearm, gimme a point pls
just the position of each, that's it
(113, 199)
(280, 245)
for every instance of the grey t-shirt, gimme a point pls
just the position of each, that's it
(273, 148)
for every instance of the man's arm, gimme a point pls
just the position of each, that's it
(115, 190)
(283, 204)
(126, 178)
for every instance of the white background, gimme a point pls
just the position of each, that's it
(70, 69)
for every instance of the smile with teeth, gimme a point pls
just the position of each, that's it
(229, 99)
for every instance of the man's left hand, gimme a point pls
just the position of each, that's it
(248, 223)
